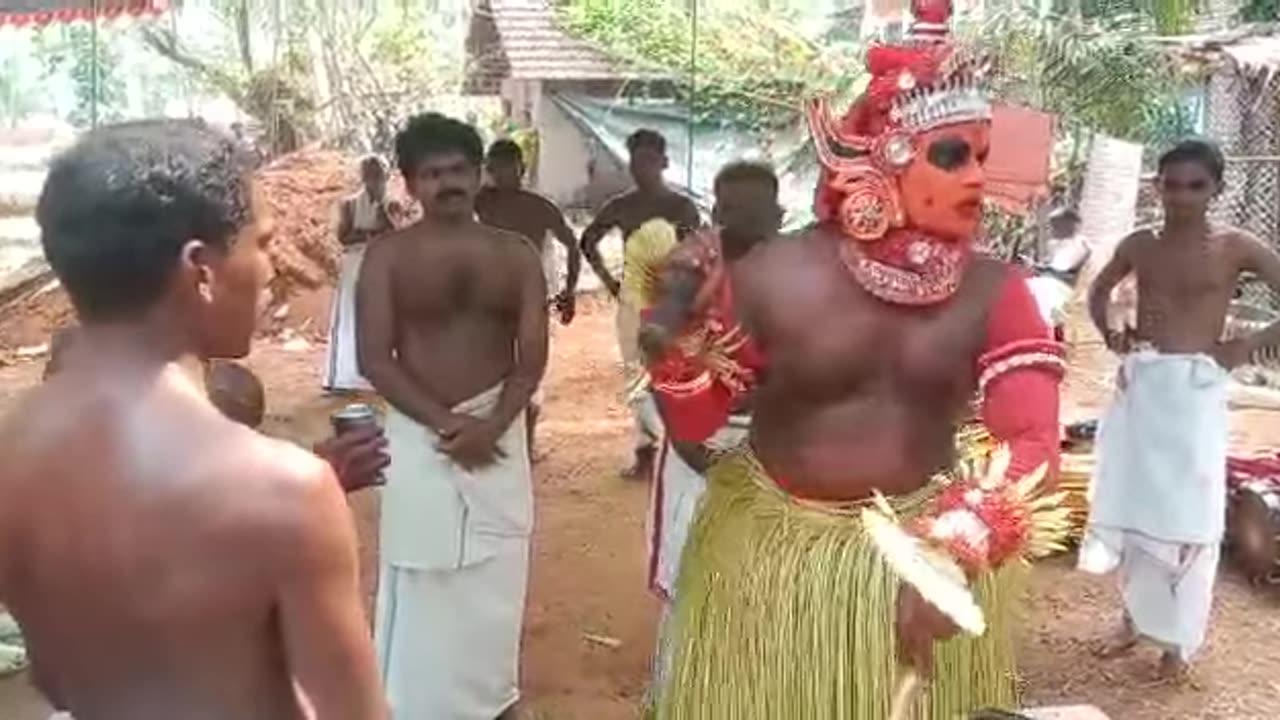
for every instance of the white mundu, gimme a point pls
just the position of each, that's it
(342, 366)
(454, 569)
(1158, 504)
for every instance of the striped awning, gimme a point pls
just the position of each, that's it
(44, 12)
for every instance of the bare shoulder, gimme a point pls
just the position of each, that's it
(295, 491)
(1136, 243)
(1241, 239)
(513, 247)
(386, 248)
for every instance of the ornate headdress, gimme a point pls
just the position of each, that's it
(923, 83)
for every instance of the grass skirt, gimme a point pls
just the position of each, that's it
(785, 611)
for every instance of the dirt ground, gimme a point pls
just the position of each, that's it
(588, 575)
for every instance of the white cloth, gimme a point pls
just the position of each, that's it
(648, 424)
(342, 370)
(1158, 496)
(677, 488)
(551, 267)
(454, 571)
(366, 213)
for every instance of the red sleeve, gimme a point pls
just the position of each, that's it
(1019, 374)
(696, 397)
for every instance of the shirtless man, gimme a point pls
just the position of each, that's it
(1160, 482)
(505, 204)
(212, 571)
(746, 214)
(650, 199)
(453, 333)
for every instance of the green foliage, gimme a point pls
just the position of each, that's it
(1260, 11)
(751, 69)
(1105, 76)
(399, 48)
(107, 89)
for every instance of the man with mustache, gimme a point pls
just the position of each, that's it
(862, 342)
(162, 560)
(1159, 489)
(453, 333)
(650, 199)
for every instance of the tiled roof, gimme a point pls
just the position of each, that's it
(522, 39)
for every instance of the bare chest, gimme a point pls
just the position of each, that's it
(823, 334)
(447, 281)
(641, 211)
(1185, 273)
(519, 215)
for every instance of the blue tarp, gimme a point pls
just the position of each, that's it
(611, 120)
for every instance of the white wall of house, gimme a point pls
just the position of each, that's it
(574, 170)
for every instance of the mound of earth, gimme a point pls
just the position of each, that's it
(303, 190)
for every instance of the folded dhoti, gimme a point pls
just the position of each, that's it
(785, 609)
(454, 567)
(677, 488)
(1158, 497)
(343, 368)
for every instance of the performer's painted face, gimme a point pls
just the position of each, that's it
(1186, 188)
(446, 184)
(942, 187)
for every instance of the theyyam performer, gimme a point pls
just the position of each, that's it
(803, 584)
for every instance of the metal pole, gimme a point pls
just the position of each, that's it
(95, 71)
(693, 91)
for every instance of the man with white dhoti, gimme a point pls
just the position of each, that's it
(1159, 491)
(362, 218)
(650, 199)
(453, 333)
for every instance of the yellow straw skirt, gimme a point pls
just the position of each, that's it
(785, 611)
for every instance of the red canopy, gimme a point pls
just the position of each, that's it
(44, 12)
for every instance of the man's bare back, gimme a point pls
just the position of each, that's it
(162, 561)
(853, 382)
(150, 585)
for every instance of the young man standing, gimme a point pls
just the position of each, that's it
(362, 218)
(1159, 490)
(453, 333)
(505, 204)
(746, 214)
(212, 571)
(650, 199)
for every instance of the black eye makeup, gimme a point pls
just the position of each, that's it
(1177, 186)
(949, 153)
